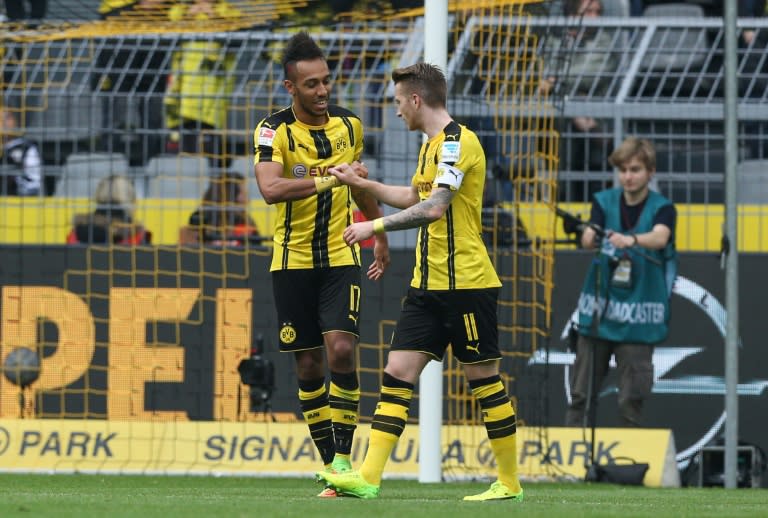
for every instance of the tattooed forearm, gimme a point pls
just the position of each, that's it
(422, 213)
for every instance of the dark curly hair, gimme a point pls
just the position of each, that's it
(301, 47)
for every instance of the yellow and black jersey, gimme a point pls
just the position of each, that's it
(450, 253)
(308, 232)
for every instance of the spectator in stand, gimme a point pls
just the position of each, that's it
(112, 222)
(591, 69)
(22, 166)
(129, 78)
(222, 218)
(199, 85)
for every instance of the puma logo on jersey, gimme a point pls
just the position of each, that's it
(353, 318)
(451, 171)
(475, 348)
(302, 146)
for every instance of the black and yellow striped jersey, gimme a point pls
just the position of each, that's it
(450, 253)
(308, 232)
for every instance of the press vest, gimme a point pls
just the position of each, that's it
(638, 313)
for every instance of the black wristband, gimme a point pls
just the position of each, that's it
(634, 236)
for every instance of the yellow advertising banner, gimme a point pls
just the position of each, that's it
(273, 448)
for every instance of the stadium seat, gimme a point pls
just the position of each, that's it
(176, 187)
(674, 9)
(242, 165)
(676, 48)
(83, 171)
(752, 181)
(77, 187)
(676, 55)
(177, 165)
(96, 164)
(616, 8)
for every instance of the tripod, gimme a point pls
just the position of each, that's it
(572, 223)
(590, 412)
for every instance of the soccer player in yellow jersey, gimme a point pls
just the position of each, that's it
(316, 276)
(453, 295)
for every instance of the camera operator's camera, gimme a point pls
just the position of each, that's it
(258, 372)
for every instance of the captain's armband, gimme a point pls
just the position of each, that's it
(448, 176)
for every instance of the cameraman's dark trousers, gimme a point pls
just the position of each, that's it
(634, 366)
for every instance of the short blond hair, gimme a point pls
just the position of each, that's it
(426, 80)
(117, 191)
(634, 147)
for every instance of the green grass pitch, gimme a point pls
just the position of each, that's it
(113, 496)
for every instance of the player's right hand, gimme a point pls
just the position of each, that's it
(360, 169)
(346, 174)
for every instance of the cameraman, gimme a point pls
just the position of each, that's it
(632, 276)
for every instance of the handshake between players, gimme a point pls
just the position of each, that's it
(355, 175)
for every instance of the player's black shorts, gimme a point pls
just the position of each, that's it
(465, 319)
(313, 301)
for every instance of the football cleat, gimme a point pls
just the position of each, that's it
(497, 491)
(328, 492)
(340, 465)
(350, 483)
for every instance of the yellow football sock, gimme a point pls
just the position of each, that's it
(500, 423)
(388, 424)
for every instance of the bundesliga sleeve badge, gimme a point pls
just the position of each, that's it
(266, 136)
(450, 152)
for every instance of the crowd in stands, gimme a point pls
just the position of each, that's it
(591, 68)
(196, 104)
(189, 109)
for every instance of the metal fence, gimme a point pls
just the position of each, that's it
(659, 78)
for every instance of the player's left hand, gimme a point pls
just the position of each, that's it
(380, 258)
(357, 232)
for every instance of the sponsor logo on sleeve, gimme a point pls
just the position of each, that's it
(266, 136)
(450, 152)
